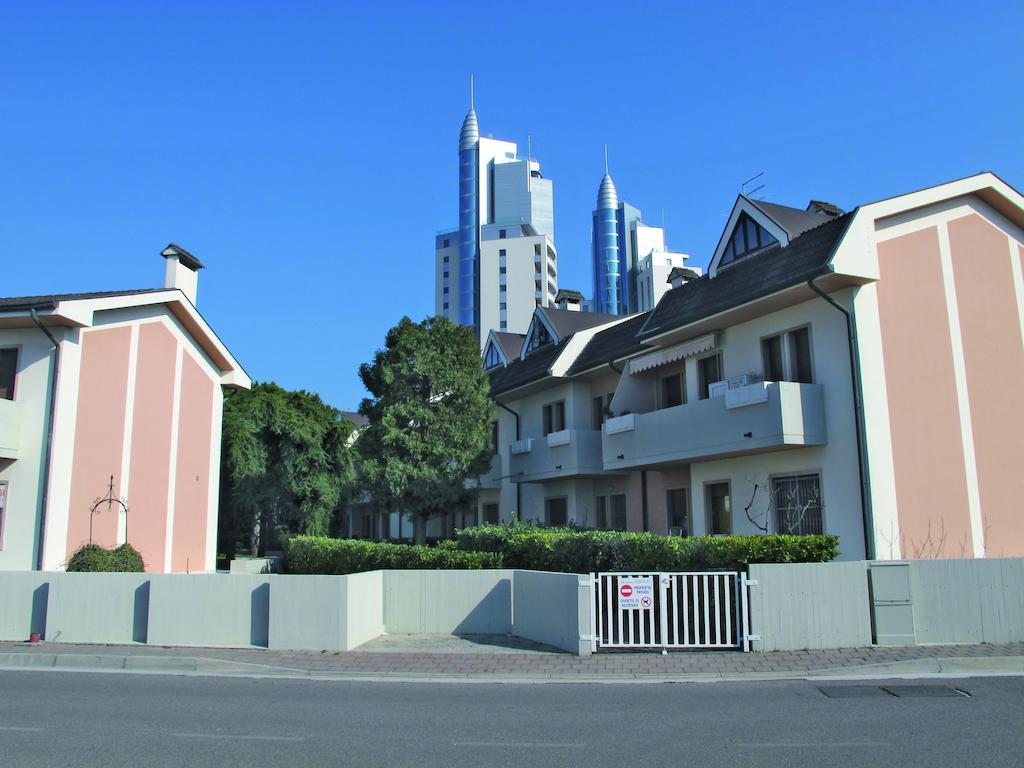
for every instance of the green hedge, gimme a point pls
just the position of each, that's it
(96, 559)
(522, 545)
(320, 554)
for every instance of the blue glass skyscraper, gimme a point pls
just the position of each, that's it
(469, 221)
(608, 295)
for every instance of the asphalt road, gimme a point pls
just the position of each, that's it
(74, 719)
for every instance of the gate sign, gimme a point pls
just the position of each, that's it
(636, 594)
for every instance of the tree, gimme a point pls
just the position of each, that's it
(429, 420)
(285, 465)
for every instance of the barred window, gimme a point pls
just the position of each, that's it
(797, 500)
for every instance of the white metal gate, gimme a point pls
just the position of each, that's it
(671, 610)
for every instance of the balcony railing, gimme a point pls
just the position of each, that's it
(567, 453)
(10, 429)
(761, 417)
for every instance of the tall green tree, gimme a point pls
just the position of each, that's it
(429, 420)
(285, 465)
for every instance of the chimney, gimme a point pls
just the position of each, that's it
(681, 275)
(182, 270)
(569, 300)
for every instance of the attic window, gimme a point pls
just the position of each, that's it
(747, 237)
(538, 337)
(492, 357)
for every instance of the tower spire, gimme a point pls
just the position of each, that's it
(605, 159)
(471, 92)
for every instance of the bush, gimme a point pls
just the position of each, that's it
(92, 558)
(320, 554)
(575, 551)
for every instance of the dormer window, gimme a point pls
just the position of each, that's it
(539, 337)
(747, 237)
(492, 357)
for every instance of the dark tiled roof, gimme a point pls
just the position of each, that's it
(531, 368)
(795, 221)
(567, 321)
(23, 302)
(748, 279)
(511, 343)
(611, 344)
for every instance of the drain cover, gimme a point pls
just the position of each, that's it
(923, 691)
(852, 691)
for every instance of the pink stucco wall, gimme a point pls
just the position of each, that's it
(994, 360)
(149, 480)
(99, 433)
(192, 484)
(928, 461)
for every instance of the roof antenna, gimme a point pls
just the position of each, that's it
(471, 92)
(752, 179)
(605, 159)
(529, 161)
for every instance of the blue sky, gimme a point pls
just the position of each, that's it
(306, 152)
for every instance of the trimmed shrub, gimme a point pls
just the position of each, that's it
(96, 559)
(577, 551)
(320, 555)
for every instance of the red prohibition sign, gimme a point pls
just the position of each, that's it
(626, 590)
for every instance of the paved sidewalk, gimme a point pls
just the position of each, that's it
(527, 664)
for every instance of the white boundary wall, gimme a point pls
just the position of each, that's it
(448, 602)
(553, 608)
(98, 608)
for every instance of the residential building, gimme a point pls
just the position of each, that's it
(847, 373)
(501, 262)
(629, 258)
(121, 389)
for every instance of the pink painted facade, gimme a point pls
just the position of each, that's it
(137, 398)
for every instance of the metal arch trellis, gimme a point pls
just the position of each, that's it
(110, 500)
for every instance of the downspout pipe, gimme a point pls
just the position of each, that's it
(519, 488)
(858, 419)
(48, 451)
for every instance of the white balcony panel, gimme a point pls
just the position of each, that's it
(10, 429)
(772, 416)
(522, 446)
(578, 456)
(562, 437)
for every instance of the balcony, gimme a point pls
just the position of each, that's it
(491, 479)
(10, 429)
(758, 418)
(568, 453)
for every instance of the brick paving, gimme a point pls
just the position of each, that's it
(532, 662)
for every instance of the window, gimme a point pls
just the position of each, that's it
(771, 352)
(3, 508)
(504, 325)
(611, 512)
(492, 357)
(554, 417)
(446, 244)
(536, 249)
(709, 370)
(600, 409)
(800, 356)
(502, 254)
(538, 336)
(678, 512)
(719, 508)
(556, 511)
(747, 237)
(503, 305)
(501, 234)
(445, 273)
(673, 390)
(490, 514)
(445, 289)
(8, 372)
(446, 305)
(502, 270)
(797, 501)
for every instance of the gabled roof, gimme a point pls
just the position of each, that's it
(565, 322)
(510, 344)
(795, 221)
(12, 303)
(522, 371)
(610, 345)
(749, 278)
